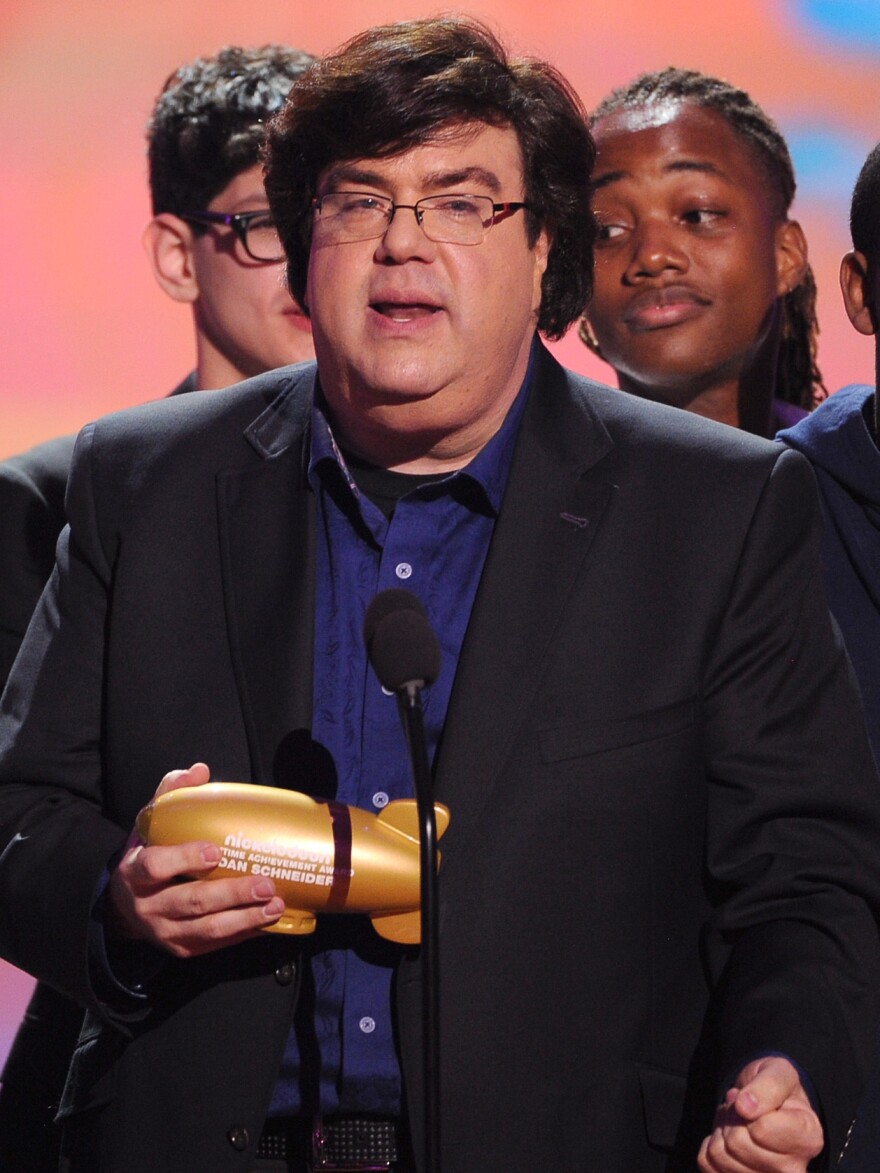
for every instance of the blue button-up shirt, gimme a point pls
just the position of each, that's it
(434, 545)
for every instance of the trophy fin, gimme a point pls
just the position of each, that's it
(403, 816)
(293, 920)
(403, 927)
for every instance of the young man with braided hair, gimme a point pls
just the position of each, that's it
(704, 298)
(658, 885)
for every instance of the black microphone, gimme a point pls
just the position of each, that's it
(405, 655)
(401, 643)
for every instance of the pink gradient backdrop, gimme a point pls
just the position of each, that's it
(84, 328)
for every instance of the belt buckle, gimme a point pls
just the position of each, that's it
(323, 1159)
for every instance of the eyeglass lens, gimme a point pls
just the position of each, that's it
(450, 219)
(262, 240)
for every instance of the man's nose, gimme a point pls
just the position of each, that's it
(403, 238)
(656, 247)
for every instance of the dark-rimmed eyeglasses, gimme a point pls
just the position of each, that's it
(255, 230)
(457, 218)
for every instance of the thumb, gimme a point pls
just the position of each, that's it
(197, 775)
(764, 1086)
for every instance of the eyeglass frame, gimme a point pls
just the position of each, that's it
(500, 211)
(239, 222)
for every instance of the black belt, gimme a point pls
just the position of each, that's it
(336, 1144)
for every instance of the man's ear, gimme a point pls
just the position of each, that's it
(791, 256)
(168, 242)
(856, 289)
(541, 253)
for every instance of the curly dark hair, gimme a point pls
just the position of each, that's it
(798, 378)
(397, 86)
(208, 122)
(864, 212)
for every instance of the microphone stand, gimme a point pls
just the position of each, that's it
(410, 703)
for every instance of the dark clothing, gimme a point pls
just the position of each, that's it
(785, 415)
(32, 488)
(837, 439)
(663, 850)
(434, 544)
(31, 518)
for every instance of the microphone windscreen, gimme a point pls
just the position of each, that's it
(401, 643)
(388, 603)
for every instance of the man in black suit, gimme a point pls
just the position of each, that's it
(204, 141)
(659, 884)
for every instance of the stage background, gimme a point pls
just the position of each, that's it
(84, 328)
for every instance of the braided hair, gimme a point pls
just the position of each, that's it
(798, 378)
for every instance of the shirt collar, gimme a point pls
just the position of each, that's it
(488, 469)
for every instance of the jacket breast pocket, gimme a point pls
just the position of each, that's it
(566, 742)
(662, 1102)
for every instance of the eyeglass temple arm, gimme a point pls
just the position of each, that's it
(502, 211)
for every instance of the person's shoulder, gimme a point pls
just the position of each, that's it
(169, 445)
(830, 415)
(38, 476)
(203, 421)
(838, 440)
(44, 464)
(667, 432)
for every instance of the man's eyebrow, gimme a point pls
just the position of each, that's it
(346, 173)
(477, 175)
(678, 165)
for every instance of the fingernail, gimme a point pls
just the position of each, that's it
(211, 853)
(747, 1100)
(274, 908)
(263, 889)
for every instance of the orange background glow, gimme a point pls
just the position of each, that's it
(85, 330)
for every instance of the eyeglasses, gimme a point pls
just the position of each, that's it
(255, 230)
(445, 219)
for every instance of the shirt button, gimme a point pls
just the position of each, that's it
(285, 973)
(380, 799)
(403, 570)
(367, 1025)
(238, 1138)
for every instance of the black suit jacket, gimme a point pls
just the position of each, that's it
(662, 859)
(32, 489)
(31, 518)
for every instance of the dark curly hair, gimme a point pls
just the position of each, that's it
(798, 378)
(864, 212)
(208, 123)
(397, 86)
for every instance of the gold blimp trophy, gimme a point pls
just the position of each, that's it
(322, 856)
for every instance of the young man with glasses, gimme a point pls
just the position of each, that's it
(661, 869)
(212, 246)
(211, 243)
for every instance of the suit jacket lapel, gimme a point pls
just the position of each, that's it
(550, 514)
(266, 519)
